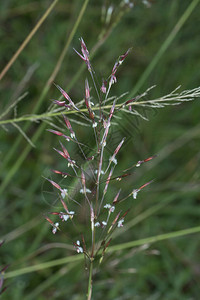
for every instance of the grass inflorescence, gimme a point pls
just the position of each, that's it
(94, 174)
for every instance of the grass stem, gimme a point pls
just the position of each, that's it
(89, 293)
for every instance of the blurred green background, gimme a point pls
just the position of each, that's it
(165, 270)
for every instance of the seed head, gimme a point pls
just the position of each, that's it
(85, 54)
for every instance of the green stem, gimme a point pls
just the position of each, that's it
(89, 293)
(111, 249)
(153, 239)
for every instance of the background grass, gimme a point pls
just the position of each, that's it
(167, 269)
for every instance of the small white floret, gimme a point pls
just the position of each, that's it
(82, 191)
(64, 193)
(65, 217)
(113, 159)
(107, 206)
(135, 192)
(97, 224)
(79, 249)
(120, 223)
(73, 135)
(71, 163)
(55, 228)
(112, 208)
(102, 172)
(71, 214)
(104, 223)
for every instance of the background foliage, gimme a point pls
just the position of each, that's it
(165, 270)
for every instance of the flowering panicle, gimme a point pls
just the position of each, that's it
(93, 173)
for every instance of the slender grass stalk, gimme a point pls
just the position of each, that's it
(28, 38)
(46, 265)
(154, 239)
(123, 246)
(89, 293)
